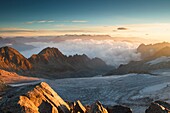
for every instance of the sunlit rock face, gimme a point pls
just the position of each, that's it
(12, 60)
(34, 99)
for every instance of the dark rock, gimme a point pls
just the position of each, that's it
(97, 107)
(79, 108)
(158, 107)
(119, 109)
(50, 62)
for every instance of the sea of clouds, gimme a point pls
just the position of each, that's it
(112, 52)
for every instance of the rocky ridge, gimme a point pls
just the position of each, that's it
(51, 63)
(154, 57)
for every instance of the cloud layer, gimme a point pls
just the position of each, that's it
(112, 52)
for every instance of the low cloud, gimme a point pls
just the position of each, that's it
(50, 21)
(40, 21)
(122, 28)
(112, 52)
(79, 21)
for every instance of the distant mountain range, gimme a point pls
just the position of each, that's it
(51, 63)
(153, 57)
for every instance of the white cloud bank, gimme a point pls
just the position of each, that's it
(112, 52)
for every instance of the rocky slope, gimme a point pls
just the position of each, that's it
(12, 77)
(41, 98)
(51, 63)
(12, 60)
(154, 57)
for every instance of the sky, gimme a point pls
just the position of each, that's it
(118, 18)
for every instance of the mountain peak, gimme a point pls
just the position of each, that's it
(51, 52)
(47, 55)
(11, 59)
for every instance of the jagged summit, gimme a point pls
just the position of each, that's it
(51, 63)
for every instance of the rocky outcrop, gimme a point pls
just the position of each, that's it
(34, 99)
(97, 107)
(78, 107)
(41, 98)
(118, 109)
(158, 107)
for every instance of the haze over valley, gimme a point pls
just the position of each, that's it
(84, 56)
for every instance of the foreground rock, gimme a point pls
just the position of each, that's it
(41, 98)
(118, 109)
(3, 86)
(97, 107)
(158, 107)
(34, 99)
(78, 107)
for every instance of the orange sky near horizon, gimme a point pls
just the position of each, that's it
(157, 31)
